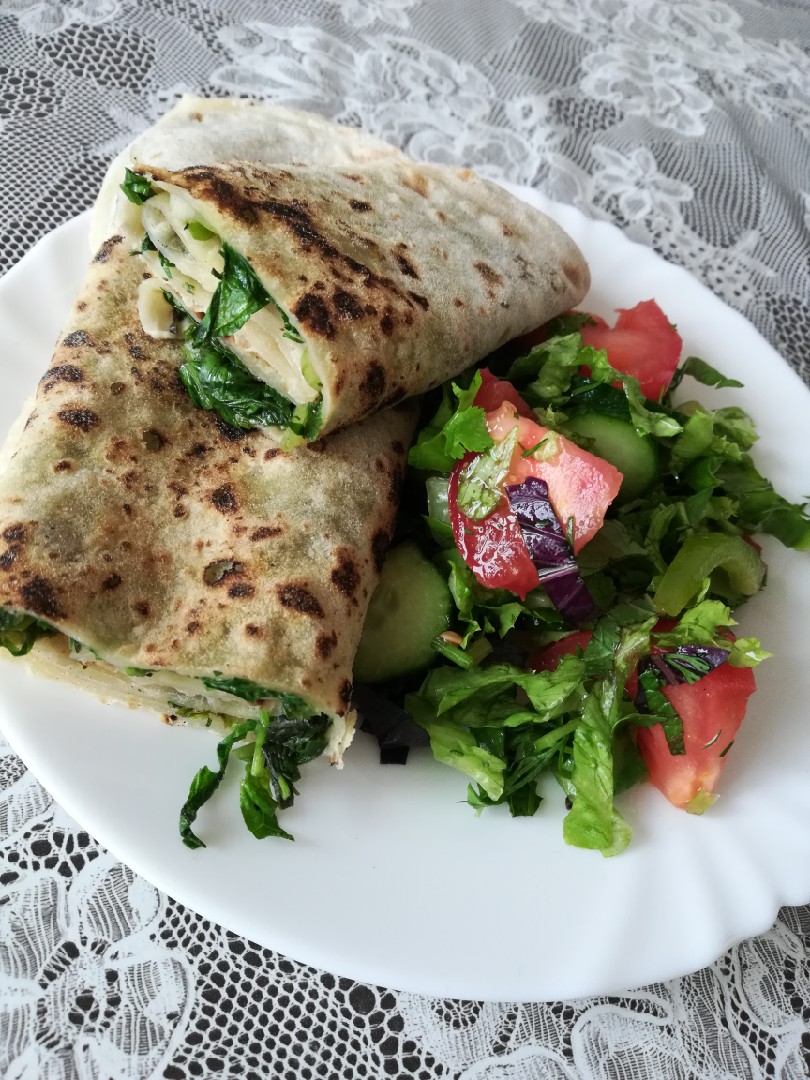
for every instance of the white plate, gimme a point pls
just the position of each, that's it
(392, 879)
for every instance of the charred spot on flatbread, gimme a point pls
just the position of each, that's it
(345, 576)
(403, 262)
(224, 499)
(347, 306)
(345, 693)
(63, 373)
(14, 534)
(312, 312)
(109, 584)
(75, 339)
(373, 385)
(84, 419)
(9, 556)
(295, 596)
(38, 595)
(106, 249)
(216, 572)
(266, 532)
(153, 440)
(325, 645)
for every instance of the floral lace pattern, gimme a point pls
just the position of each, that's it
(685, 123)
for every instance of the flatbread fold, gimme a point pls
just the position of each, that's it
(201, 131)
(381, 281)
(171, 548)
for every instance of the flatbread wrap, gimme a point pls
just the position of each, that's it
(318, 296)
(201, 131)
(158, 557)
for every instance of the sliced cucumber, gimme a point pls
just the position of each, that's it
(412, 604)
(617, 441)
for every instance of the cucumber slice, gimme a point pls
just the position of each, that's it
(412, 604)
(617, 441)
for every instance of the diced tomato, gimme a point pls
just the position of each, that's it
(494, 548)
(643, 343)
(493, 392)
(549, 657)
(580, 485)
(712, 710)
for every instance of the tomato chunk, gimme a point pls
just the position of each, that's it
(493, 392)
(712, 710)
(643, 343)
(494, 548)
(580, 485)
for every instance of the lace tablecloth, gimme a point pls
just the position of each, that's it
(685, 122)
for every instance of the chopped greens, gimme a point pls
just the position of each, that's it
(237, 296)
(280, 745)
(457, 428)
(479, 489)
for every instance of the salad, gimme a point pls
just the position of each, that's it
(572, 548)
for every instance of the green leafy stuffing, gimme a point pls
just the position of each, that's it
(216, 379)
(166, 264)
(238, 295)
(251, 691)
(137, 188)
(18, 632)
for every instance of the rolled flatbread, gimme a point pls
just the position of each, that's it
(183, 564)
(340, 290)
(201, 131)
